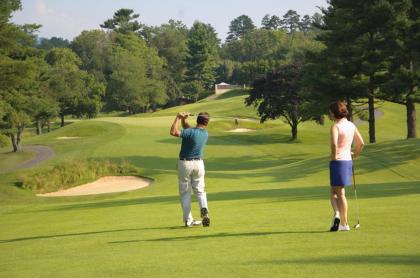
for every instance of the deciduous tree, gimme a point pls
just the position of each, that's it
(281, 94)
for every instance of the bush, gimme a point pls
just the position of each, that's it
(73, 173)
(4, 141)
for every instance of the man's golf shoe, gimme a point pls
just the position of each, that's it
(192, 223)
(205, 217)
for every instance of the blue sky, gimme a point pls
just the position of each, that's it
(68, 18)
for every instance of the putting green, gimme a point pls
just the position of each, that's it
(268, 200)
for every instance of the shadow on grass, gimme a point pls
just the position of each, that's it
(220, 235)
(252, 163)
(86, 234)
(375, 158)
(233, 93)
(234, 165)
(244, 139)
(351, 259)
(365, 191)
(282, 170)
(388, 155)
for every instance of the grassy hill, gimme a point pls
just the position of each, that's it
(268, 199)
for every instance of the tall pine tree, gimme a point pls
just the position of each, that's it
(404, 67)
(355, 34)
(201, 60)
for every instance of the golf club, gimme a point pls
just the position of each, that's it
(357, 226)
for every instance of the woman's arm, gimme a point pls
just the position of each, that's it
(333, 141)
(359, 143)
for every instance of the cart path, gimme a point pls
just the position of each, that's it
(42, 154)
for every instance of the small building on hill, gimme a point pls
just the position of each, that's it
(225, 87)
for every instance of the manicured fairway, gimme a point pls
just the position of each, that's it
(268, 199)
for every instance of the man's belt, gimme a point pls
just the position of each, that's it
(190, 158)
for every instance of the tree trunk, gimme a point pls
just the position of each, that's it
(16, 140)
(19, 139)
(62, 119)
(49, 125)
(371, 100)
(294, 131)
(411, 108)
(411, 118)
(14, 144)
(38, 127)
(294, 123)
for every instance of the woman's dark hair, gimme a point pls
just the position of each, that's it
(339, 109)
(203, 118)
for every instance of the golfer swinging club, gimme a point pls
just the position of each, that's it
(191, 166)
(343, 133)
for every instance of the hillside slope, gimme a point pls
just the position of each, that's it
(268, 201)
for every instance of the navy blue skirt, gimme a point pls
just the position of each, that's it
(340, 172)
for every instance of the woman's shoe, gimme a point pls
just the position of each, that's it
(344, 228)
(335, 224)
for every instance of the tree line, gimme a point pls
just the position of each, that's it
(360, 51)
(370, 52)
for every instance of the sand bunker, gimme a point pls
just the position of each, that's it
(67, 138)
(103, 185)
(241, 130)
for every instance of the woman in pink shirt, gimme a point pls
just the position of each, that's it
(343, 134)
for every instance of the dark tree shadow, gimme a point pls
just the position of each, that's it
(387, 155)
(233, 93)
(292, 167)
(86, 234)
(241, 139)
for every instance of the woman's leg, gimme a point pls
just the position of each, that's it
(342, 203)
(334, 202)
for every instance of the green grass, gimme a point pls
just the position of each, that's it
(268, 199)
(9, 159)
(222, 107)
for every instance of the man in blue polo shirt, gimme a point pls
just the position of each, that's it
(191, 166)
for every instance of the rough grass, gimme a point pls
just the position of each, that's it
(268, 200)
(9, 159)
(73, 173)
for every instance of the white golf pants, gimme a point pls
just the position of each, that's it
(191, 176)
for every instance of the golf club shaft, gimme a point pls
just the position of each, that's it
(355, 195)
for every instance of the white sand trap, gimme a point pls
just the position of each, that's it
(251, 120)
(67, 138)
(103, 185)
(241, 130)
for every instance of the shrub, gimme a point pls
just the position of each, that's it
(73, 173)
(4, 141)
